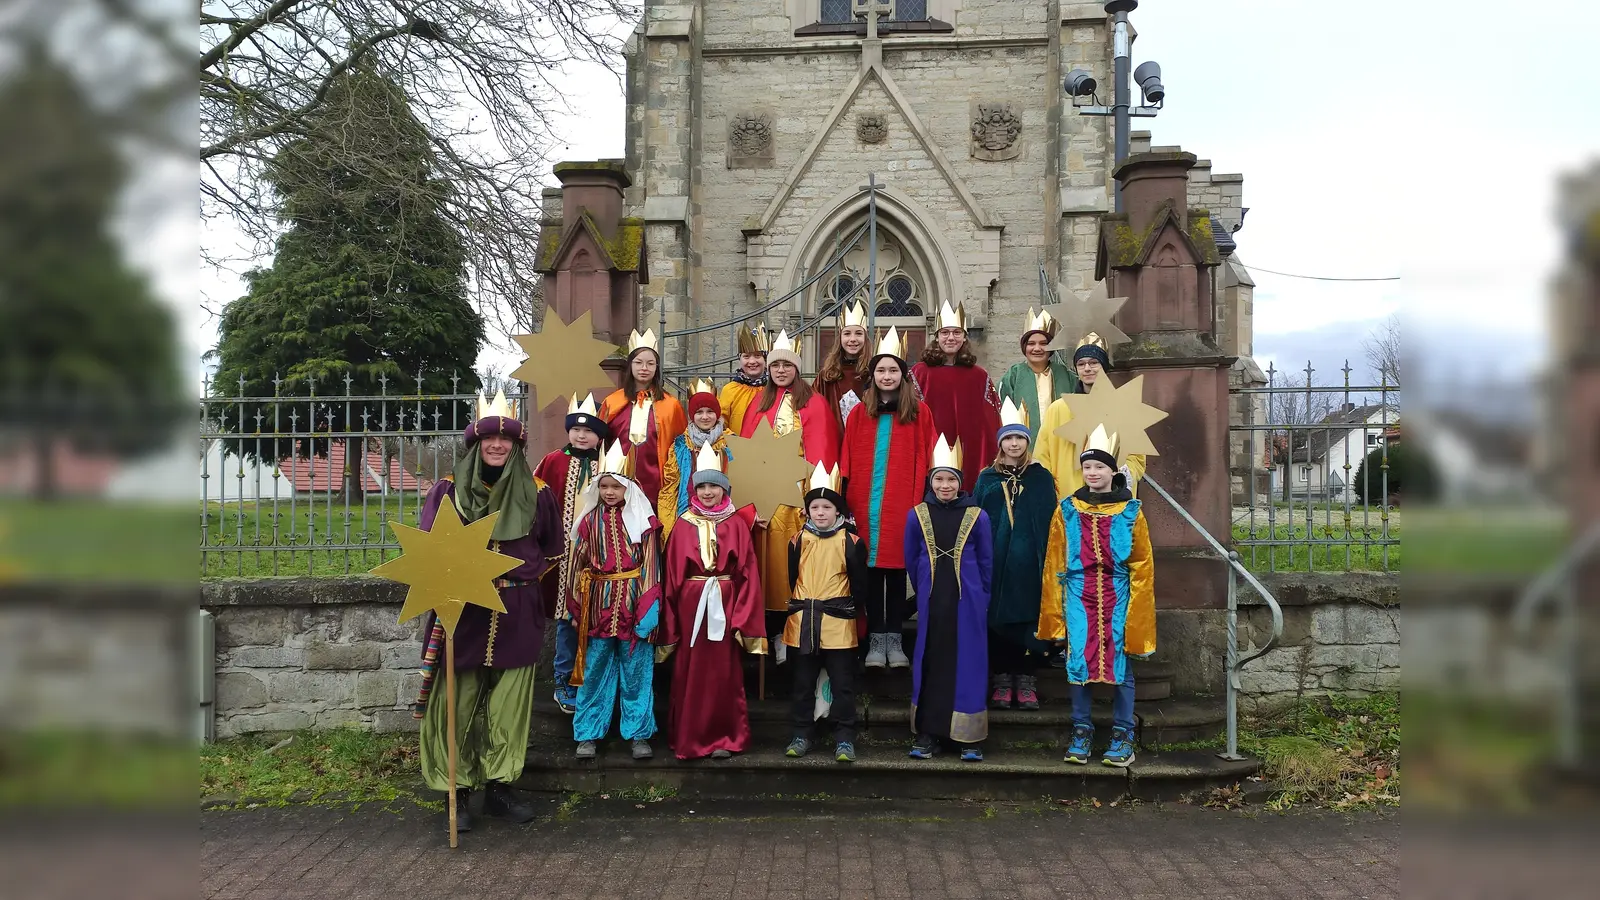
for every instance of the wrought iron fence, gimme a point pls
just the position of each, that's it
(308, 484)
(1306, 499)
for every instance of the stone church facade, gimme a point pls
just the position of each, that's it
(753, 126)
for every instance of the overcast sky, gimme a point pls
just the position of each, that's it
(1418, 139)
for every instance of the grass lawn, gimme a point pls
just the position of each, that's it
(1519, 541)
(342, 764)
(1357, 554)
(71, 770)
(85, 540)
(288, 538)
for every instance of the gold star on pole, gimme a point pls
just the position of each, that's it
(563, 359)
(1121, 410)
(1091, 315)
(765, 468)
(447, 567)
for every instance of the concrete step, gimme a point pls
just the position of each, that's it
(884, 771)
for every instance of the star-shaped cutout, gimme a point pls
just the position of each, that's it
(764, 470)
(1092, 315)
(447, 567)
(1121, 410)
(563, 359)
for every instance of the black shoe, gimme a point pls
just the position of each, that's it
(500, 801)
(463, 817)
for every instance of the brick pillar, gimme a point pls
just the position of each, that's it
(1161, 255)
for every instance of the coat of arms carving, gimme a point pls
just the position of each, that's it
(872, 128)
(750, 140)
(995, 132)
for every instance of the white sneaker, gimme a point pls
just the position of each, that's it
(897, 655)
(876, 650)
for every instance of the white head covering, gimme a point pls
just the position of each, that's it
(636, 507)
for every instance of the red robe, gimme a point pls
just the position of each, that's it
(819, 432)
(565, 475)
(885, 467)
(966, 407)
(708, 711)
(666, 423)
(835, 390)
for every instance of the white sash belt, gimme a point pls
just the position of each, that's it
(710, 612)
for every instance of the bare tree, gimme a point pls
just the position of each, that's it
(1382, 348)
(479, 73)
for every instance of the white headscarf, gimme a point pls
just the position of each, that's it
(636, 507)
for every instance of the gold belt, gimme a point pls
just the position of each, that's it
(617, 576)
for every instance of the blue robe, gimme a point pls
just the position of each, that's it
(949, 559)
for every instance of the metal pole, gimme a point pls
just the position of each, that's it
(872, 257)
(1122, 62)
(1232, 751)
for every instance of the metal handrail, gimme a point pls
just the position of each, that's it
(1558, 584)
(1551, 580)
(1235, 661)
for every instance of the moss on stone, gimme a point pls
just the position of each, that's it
(1205, 241)
(625, 250)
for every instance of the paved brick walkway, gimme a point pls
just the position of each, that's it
(805, 849)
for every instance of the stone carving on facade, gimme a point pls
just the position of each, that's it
(996, 130)
(750, 140)
(872, 128)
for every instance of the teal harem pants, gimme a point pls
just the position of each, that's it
(493, 710)
(615, 670)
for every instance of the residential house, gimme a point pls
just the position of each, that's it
(1319, 463)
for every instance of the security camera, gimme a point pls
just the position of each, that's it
(1148, 75)
(1079, 83)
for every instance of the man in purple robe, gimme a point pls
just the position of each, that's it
(494, 652)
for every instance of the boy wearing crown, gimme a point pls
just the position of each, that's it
(705, 428)
(495, 652)
(1091, 362)
(1019, 496)
(712, 612)
(645, 419)
(616, 597)
(567, 471)
(1035, 383)
(1102, 606)
(965, 404)
(749, 380)
(827, 569)
(949, 558)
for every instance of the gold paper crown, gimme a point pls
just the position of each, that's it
(854, 315)
(500, 407)
(786, 344)
(586, 407)
(891, 344)
(822, 479)
(647, 340)
(946, 456)
(1100, 440)
(616, 461)
(1010, 414)
(1041, 321)
(701, 386)
(707, 458)
(1095, 340)
(952, 317)
(753, 339)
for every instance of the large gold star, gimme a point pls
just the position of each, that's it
(1121, 410)
(563, 359)
(764, 470)
(447, 567)
(1091, 315)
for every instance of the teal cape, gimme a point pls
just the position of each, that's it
(1021, 537)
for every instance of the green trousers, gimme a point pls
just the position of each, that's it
(493, 711)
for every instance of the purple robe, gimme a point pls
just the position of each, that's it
(513, 639)
(952, 618)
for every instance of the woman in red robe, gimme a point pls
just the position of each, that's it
(713, 611)
(645, 420)
(965, 404)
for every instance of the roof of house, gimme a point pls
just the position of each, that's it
(325, 472)
(1311, 443)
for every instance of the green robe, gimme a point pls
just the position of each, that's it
(1021, 536)
(1021, 388)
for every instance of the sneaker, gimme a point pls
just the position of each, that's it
(844, 752)
(641, 750)
(896, 653)
(924, 747)
(721, 754)
(1001, 698)
(1027, 692)
(586, 750)
(566, 700)
(972, 754)
(1120, 753)
(797, 748)
(877, 647)
(1080, 745)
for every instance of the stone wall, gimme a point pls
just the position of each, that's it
(312, 653)
(1341, 634)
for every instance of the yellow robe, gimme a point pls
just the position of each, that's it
(1139, 625)
(735, 398)
(1060, 457)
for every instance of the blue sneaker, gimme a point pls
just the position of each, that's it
(567, 699)
(797, 748)
(845, 752)
(972, 754)
(1120, 753)
(1079, 745)
(925, 747)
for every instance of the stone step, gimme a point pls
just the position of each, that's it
(884, 771)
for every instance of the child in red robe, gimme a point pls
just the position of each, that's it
(965, 403)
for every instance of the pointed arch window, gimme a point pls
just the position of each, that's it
(837, 17)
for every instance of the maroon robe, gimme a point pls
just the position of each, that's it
(709, 711)
(834, 391)
(966, 407)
